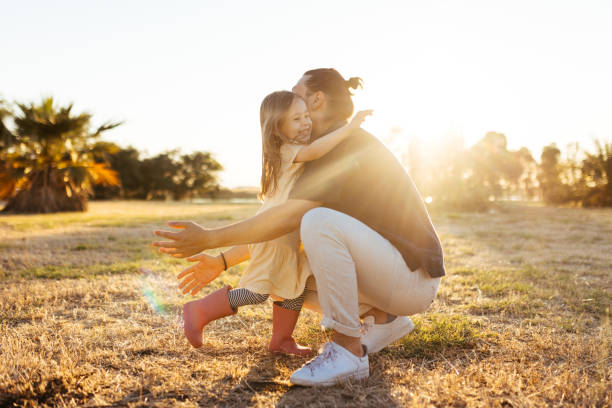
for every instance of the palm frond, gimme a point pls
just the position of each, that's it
(53, 154)
(104, 127)
(102, 174)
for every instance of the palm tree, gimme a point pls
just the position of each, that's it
(46, 164)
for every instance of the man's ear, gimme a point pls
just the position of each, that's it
(317, 100)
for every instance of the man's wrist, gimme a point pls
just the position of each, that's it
(207, 238)
(213, 237)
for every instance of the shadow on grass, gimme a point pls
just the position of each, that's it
(44, 391)
(372, 392)
(262, 382)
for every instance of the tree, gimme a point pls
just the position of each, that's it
(527, 180)
(160, 177)
(447, 175)
(597, 176)
(126, 162)
(553, 190)
(6, 136)
(105, 152)
(7, 139)
(48, 165)
(158, 174)
(196, 175)
(496, 168)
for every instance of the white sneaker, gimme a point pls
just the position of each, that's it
(378, 336)
(335, 364)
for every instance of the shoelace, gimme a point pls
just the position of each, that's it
(329, 353)
(367, 324)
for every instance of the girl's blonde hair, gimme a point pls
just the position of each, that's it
(272, 113)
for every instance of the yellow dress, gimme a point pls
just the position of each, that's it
(278, 267)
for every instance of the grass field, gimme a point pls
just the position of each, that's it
(521, 320)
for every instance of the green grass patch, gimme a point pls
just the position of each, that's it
(594, 301)
(80, 272)
(437, 332)
(523, 306)
(495, 282)
(129, 214)
(465, 271)
(63, 272)
(503, 288)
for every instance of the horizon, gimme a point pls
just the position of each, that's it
(431, 69)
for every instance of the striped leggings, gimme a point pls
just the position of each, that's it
(241, 297)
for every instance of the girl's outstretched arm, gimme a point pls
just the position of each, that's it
(208, 268)
(325, 144)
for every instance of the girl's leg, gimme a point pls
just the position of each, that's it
(242, 297)
(198, 313)
(293, 304)
(224, 302)
(284, 317)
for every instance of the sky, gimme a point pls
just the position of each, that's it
(192, 74)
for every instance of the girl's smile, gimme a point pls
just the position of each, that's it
(297, 124)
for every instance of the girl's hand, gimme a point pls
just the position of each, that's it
(192, 240)
(201, 274)
(359, 118)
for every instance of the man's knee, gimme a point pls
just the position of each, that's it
(314, 222)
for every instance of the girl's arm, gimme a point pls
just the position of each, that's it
(234, 256)
(210, 267)
(325, 144)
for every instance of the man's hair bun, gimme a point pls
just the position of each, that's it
(336, 89)
(354, 83)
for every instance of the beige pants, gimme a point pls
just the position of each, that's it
(356, 269)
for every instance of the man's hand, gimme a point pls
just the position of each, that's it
(201, 274)
(192, 240)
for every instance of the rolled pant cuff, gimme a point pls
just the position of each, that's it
(340, 328)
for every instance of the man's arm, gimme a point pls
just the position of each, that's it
(270, 224)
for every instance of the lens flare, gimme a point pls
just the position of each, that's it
(152, 289)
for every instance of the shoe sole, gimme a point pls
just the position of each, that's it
(361, 374)
(284, 353)
(408, 329)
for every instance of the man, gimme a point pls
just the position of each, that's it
(367, 235)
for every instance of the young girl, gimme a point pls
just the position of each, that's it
(277, 267)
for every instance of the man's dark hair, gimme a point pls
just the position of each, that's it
(336, 88)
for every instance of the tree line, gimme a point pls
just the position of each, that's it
(168, 175)
(52, 160)
(454, 176)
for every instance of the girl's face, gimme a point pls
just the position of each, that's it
(296, 125)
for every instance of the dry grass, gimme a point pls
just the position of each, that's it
(521, 320)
